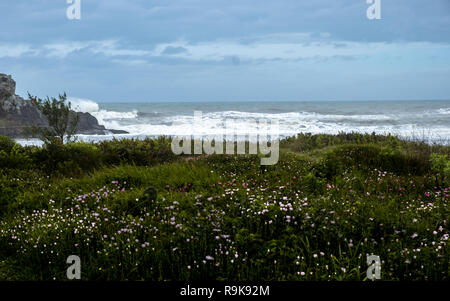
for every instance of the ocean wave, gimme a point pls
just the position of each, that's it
(149, 114)
(83, 105)
(410, 132)
(110, 119)
(304, 116)
(210, 126)
(444, 111)
(153, 123)
(110, 115)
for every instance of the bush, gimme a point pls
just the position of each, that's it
(83, 156)
(370, 156)
(77, 158)
(306, 141)
(62, 121)
(440, 164)
(147, 152)
(16, 158)
(313, 184)
(70, 159)
(6, 144)
(8, 192)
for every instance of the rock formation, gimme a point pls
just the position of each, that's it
(16, 114)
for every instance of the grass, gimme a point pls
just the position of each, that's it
(316, 215)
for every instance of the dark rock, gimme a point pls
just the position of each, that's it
(7, 86)
(88, 125)
(116, 132)
(17, 114)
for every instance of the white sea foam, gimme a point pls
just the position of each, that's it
(83, 105)
(289, 124)
(107, 118)
(444, 111)
(424, 123)
(291, 117)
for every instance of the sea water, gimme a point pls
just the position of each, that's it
(415, 120)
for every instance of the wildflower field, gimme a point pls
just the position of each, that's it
(131, 210)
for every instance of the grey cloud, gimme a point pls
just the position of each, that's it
(270, 41)
(170, 50)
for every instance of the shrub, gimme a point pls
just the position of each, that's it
(147, 152)
(440, 164)
(61, 119)
(6, 144)
(313, 184)
(8, 191)
(307, 142)
(391, 158)
(17, 157)
(84, 156)
(70, 159)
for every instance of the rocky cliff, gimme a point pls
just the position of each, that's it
(16, 114)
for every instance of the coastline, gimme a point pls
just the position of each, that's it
(108, 137)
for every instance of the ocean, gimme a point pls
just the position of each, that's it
(418, 120)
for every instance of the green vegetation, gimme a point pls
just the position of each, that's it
(134, 211)
(62, 121)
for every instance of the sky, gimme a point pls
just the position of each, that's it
(228, 50)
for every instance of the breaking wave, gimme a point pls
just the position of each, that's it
(417, 121)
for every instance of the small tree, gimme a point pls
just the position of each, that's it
(62, 121)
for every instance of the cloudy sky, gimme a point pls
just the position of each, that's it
(228, 50)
